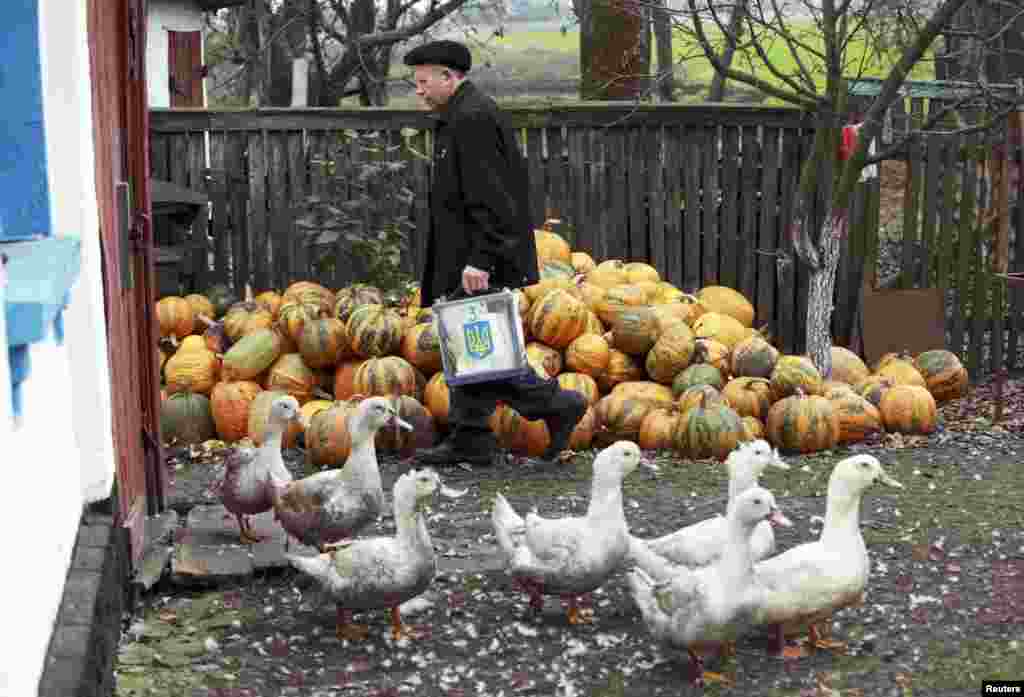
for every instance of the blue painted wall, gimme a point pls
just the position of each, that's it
(24, 191)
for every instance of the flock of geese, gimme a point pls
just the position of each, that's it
(697, 589)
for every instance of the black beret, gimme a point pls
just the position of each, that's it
(450, 54)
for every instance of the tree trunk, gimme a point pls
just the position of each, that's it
(662, 21)
(820, 293)
(739, 11)
(300, 82)
(615, 63)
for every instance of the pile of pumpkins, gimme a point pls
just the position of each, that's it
(664, 368)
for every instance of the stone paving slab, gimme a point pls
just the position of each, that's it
(158, 537)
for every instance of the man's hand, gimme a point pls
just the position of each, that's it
(473, 279)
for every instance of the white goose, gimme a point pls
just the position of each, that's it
(806, 584)
(702, 543)
(571, 556)
(706, 609)
(379, 572)
(335, 504)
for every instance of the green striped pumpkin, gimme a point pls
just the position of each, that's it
(803, 423)
(389, 376)
(185, 417)
(348, 299)
(421, 347)
(793, 373)
(944, 374)
(374, 331)
(754, 357)
(710, 429)
(557, 318)
(582, 383)
(324, 343)
(697, 374)
(858, 418)
(621, 415)
(908, 409)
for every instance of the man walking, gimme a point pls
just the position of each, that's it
(481, 237)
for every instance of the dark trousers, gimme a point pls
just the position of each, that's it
(471, 406)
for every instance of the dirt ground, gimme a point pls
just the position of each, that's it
(945, 605)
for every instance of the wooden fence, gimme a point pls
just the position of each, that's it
(699, 191)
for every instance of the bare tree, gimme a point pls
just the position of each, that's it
(347, 45)
(824, 177)
(614, 49)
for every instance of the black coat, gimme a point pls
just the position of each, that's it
(479, 200)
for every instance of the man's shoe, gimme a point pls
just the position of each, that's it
(447, 453)
(571, 408)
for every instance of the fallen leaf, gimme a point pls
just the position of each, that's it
(360, 664)
(919, 552)
(279, 648)
(951, 601)
(919, 614)
(936, 552)
(952, 567)
(904, 583)
(136, 654)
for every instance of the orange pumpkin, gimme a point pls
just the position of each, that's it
(389, 376)
(374, 330)
(290, 375)
(803, 423)
(858, 418)
(635, 330)
(292, 318)
(793, 373)
(749, 396)
(328, 440)
(754, 357)
(324, 343)
(192, 369)
(437, 399)
(583, 435)
(551, 247)
(588, 354)
(943, 373)
(175, 317)
(230, 403)
(621, 415)
(646, 389)
(657, 428)
(621, 368)
(847, 366)
(271, 301)
(551, 359)
(909, 409)
(582, 383)
(903, 371)
(874, 388)
(200, 305)
(310, 292)
(422, 348)
(557, 318)
(671, 353)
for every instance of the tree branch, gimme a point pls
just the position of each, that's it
(890, 91)
(739, 76)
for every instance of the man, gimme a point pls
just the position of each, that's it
(481, 237)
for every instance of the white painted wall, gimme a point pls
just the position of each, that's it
(61, 455)
(163, 16)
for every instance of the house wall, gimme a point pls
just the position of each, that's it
(163, 16)
(60, 455)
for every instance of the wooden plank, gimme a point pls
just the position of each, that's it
(788, 304)
(976, 363)
(556, 179)
(159, 146)
(592, 114)
(850, 254)
(535, 172)
(1016, 299)
(709, 206)
(912, 202)
(944, 243)
(635, 181)
(746, 271)
(297, 189)
(929, 213)
(767, 230)
(577, 179)
(219, 201)
(420, 165)
(260, 275)
(797, 295)
(597, 187)
(346, 155)
(729, 252)
(617, 162)
(278, 234)
(656, 199)
(238, 197)
(673, 139)
(963, 284)
(692, 264)
(201, 223)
